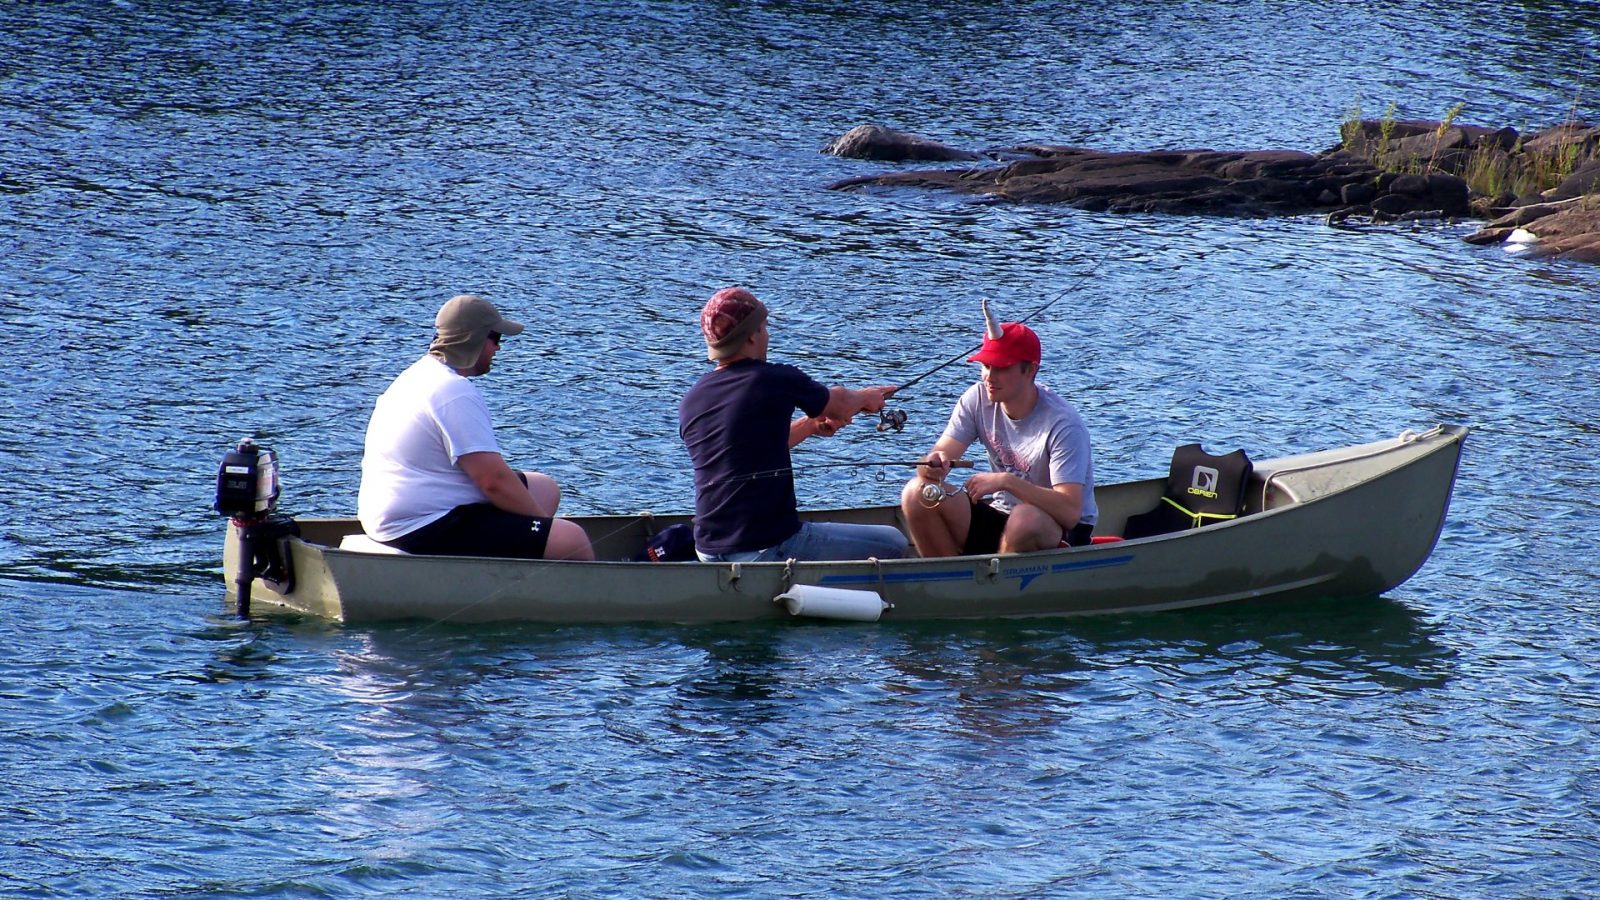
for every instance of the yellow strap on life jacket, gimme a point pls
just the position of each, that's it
(1197, 519)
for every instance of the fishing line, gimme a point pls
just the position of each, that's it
(860, 464)
(789, 471)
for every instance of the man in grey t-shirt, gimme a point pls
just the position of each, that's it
(1040, 490)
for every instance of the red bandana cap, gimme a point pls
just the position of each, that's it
(1016, 343)
(728, 320)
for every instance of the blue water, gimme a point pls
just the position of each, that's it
(229, 219)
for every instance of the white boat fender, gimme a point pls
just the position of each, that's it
(832, 603)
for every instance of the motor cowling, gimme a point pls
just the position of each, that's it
(247, 482)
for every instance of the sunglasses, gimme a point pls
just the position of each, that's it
(495, 336)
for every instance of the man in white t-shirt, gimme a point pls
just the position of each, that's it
(1040, 490)
(432, 477)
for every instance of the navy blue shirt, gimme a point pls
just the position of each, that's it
(735, 422)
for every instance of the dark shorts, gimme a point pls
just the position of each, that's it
(988, 524)
(480, 529)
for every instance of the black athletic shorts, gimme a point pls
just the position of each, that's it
(480, 529)
(988, 524)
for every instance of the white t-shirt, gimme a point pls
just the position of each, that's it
(428, 419)
(1049, 446)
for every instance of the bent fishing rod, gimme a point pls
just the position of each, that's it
(895, 419)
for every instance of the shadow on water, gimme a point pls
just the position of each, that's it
(1017, 677)
(255, 649)
(1339, 642)
(997, 676)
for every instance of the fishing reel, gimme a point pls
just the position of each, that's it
(935, 494)
(892, 420)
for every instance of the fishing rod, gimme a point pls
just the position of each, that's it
(959, 357)
(895, 419)
(953, 463)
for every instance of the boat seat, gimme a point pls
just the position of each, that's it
(363, 544)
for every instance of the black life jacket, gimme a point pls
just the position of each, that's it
(1201, 489)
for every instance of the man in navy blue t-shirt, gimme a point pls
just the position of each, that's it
(736, 424)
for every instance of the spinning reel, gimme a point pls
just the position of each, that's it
(892, 420)
(935, 494)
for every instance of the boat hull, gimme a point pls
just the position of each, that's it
(1356, 521)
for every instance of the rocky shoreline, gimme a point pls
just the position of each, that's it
(1382, 171)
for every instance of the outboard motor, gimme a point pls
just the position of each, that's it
(247, 492)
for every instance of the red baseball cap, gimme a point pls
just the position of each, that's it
(1016, 343)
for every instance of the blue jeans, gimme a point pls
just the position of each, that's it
(826, 540)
